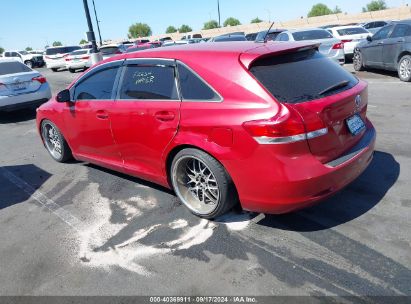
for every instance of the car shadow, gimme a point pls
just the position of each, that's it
(18, 183)
(352, 202)
(369, 71)
(18, 116)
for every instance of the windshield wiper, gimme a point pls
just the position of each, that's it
(334, 87)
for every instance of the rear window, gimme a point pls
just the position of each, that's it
(312, 35)
(109, 50)
(302, 76)
(352, 31)
(13, 68)
(62, 50)
(81, 52)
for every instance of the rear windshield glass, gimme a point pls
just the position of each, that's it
(109, 50)
(62, 50)
(302, 76)
(81, 52)
(312, 35)
(352, 31)
(13, 68)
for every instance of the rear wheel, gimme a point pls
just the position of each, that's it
(202, 184)
(404, 68)
(358, 61)
(54, 141)
(71, 70)
(54, 69)
(29, 63)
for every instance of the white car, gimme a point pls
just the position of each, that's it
(79, 59)
(31, 60)
(20, 86)
(55, 56)
(350, 36)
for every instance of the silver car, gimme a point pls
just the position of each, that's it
(330, 46)
(20, 86)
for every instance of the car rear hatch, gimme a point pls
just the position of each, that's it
(16, 79)
(331, 102)
(328, 47)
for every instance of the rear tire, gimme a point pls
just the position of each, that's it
(202, 184)
(358, 61)
(29, 63)
(404, 68)
(72, 70)
(54, 69)
(54, 142)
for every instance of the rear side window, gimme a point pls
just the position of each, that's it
(401, 30)
(312, 35)
(13, 68)
(352, 31)
(97, 86)
(302, 76)
(149, 82)
(194, 88)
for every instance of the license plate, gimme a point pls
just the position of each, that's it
(19, 86)
(355, 124)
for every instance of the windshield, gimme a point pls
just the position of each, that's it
(312, 35)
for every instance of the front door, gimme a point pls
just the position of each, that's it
(394, 45)
(146, 115)
(88, 117)
(373, 50)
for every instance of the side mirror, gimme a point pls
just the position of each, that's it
(63, 96)
(369, 38)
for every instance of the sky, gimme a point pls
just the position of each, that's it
(36, 24)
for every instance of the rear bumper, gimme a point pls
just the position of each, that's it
(78, 65)
(303, 181)
(55, 64)
(15, 102)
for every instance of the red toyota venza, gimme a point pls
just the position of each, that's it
(274, 127)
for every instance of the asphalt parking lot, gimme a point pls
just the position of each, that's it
(77, 229)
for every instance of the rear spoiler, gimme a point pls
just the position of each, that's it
(273, 49)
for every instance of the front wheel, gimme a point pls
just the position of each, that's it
(202, 184)
(358, 61)
(54, 141)
(404, 68)
(54, 69)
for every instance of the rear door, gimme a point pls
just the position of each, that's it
(373, 50)
(146, 115)
(394, 45)
(325, 95)
(88, 117)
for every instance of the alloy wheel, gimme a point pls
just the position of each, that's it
(405, 68)
(52, 140)
(196, 185)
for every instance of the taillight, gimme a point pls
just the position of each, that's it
(118, 52)
(68, 59)
(338, 46)
(40, 79)
(85, 57)
(345, 41)
(47, 57)
(286, 127)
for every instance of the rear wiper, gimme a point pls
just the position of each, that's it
(339, 85)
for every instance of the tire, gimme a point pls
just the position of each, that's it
(54, 142)
(202, 184)
(72, 70)
(54, 69)
(404, 68)
(29, 63)
(358, 61)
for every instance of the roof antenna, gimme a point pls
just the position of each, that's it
(268, 32)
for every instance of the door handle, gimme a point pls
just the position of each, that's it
(165, 116)
(101, 114)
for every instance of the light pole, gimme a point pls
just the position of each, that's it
(95, 55)
(98, 24)
(219, 17)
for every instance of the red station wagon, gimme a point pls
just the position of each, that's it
(274, 127)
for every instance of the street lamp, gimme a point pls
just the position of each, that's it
(95, 54)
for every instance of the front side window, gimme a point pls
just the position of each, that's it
(382, 33)
(401, 30)
(149, 82)
(97, 86)
(194, 88)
